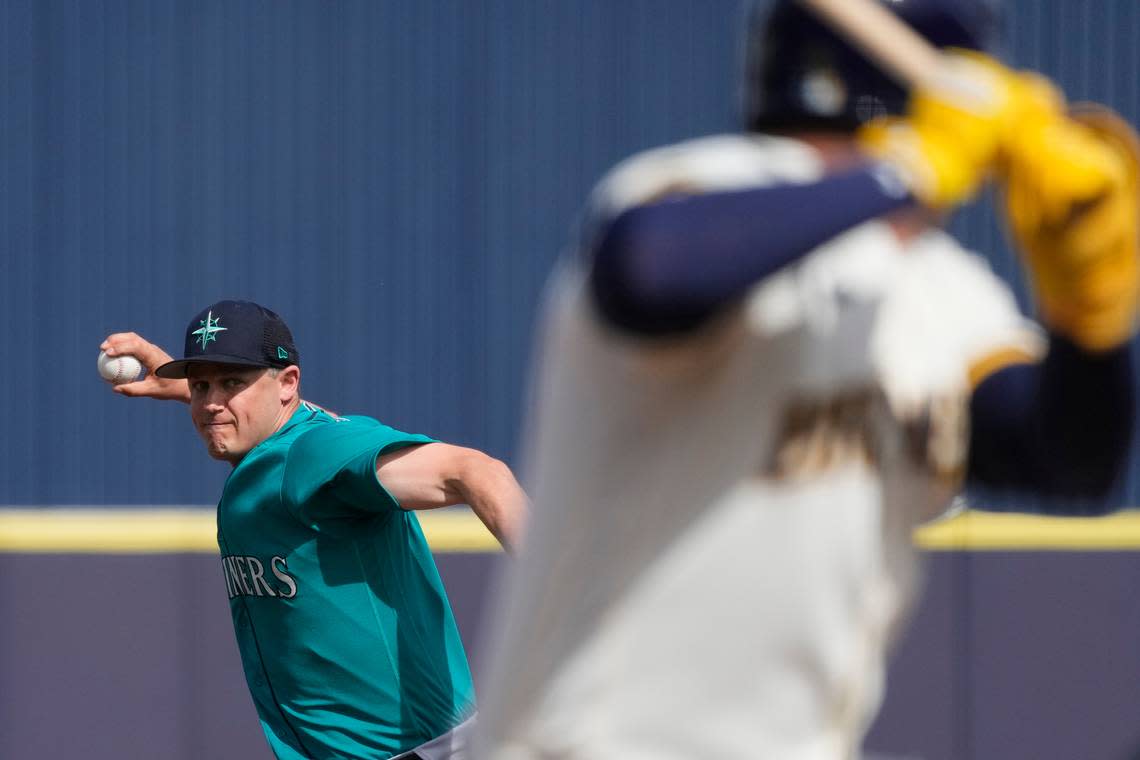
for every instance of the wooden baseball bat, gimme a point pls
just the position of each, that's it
(881, 36)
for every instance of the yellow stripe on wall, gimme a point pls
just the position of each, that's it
(119, 531)
(191, 530)
(990, 531)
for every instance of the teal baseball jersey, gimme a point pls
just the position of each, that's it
(347, 639)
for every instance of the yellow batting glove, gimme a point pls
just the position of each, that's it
(954, 130)
(1072, 200)
(1053, 158)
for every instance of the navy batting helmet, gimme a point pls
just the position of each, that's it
(801, 75)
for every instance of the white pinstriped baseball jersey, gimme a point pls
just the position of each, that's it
(720, 545)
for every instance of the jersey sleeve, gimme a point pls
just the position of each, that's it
(719, 163)
(331, 470)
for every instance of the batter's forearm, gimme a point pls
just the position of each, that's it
(665, 267)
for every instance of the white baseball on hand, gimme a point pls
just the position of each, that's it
(117, 370)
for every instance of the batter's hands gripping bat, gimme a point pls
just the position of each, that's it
(961, 105)
(1072, 180)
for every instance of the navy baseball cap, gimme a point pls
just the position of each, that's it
(234, 332)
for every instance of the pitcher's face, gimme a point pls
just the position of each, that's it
(234, 407)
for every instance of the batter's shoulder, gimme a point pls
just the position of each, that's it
(705, 164)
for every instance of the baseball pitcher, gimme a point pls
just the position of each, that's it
(347, 639)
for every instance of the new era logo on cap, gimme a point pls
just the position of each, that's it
(235, 332)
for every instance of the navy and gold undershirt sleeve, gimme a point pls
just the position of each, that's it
(665, 267)
(1060, 429)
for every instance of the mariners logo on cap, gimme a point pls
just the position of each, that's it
(206, 332)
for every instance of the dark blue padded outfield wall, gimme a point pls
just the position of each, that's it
(393, 176)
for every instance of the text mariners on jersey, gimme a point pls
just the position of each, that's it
(247, 576)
